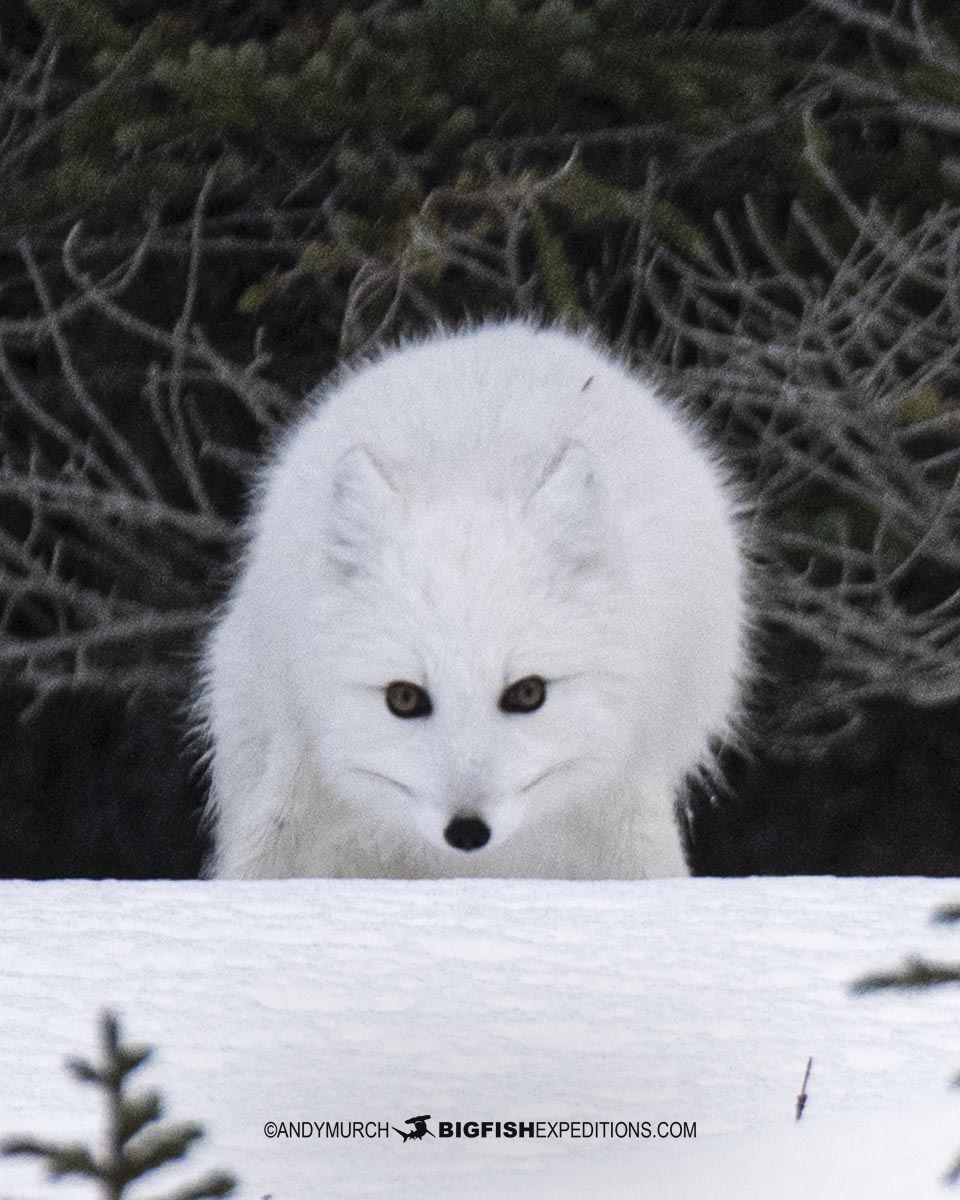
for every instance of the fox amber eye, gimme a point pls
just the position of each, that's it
(408, 700)
(524, 696)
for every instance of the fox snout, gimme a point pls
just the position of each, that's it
(467, 833)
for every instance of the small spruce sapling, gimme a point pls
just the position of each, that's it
(135, 1143)
(917, 973)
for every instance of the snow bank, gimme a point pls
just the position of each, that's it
(671, 1000)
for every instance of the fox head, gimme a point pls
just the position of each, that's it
(468, 676)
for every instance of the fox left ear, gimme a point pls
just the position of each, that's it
(566, 503)
(363, 498)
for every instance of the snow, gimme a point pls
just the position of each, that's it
(323, 1000)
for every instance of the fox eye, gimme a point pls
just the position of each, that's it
(524, 696)
(408, 699)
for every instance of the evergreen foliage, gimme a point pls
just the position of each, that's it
(136, 1140)
(369, 131)
(915, 972)
(376, 106)
(920, 973)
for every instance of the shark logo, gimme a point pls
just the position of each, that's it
(419, 1130)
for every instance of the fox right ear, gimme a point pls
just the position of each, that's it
(363, 496)
(567, 503)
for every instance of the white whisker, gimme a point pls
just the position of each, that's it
(385, 778)
(560, 766)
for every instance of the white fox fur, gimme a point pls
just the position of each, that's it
(462, 513)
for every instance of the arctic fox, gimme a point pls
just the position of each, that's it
(490, 612)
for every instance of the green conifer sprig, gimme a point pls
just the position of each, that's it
(136, 1143)
(915, 972)
(919, 973)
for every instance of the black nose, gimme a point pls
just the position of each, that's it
(467, 833)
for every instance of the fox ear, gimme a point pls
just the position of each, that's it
(566, 504)
(363, 496)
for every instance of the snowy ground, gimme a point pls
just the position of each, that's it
(691, 1000)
